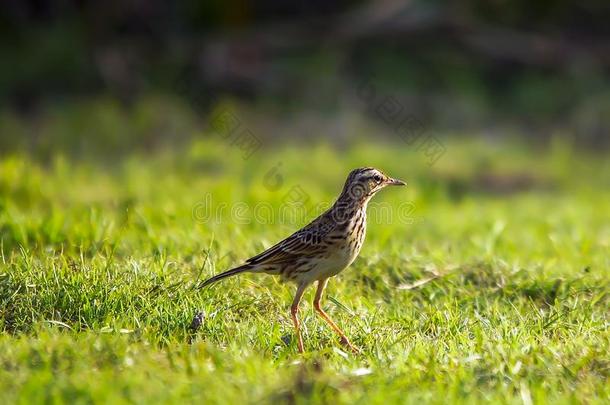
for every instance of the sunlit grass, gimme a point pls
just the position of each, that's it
(100, 260)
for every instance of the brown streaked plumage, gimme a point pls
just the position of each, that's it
(322, 249)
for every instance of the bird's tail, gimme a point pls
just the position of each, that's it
(228, 273)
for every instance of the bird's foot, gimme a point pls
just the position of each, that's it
(345, 342)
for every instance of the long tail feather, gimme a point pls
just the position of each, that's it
(228, 273)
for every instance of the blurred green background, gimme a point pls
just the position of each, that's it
(103, 78)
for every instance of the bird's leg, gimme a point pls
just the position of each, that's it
(324, 315)
(294, 309)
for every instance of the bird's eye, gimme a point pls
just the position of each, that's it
(377, 178)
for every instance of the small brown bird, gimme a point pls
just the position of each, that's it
(321, 249)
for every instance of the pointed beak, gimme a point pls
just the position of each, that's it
(396, 182)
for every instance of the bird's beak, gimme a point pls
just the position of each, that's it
(396, 182)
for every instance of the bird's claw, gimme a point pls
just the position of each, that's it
(345, 341)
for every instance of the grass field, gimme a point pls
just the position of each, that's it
(487, 279)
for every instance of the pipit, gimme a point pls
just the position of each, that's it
(322, 249)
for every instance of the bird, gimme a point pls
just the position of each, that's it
(320, 250)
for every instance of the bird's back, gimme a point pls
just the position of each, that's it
(321, 249)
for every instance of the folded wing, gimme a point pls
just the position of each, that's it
(305, 242)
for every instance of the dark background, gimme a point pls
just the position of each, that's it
(110, 76)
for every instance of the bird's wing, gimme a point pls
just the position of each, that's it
(303, 242)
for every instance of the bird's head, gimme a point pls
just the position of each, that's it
(363, 183)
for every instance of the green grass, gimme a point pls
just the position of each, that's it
(100, 260)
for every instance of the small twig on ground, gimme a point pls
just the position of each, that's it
(434, 275)
(418, 283)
